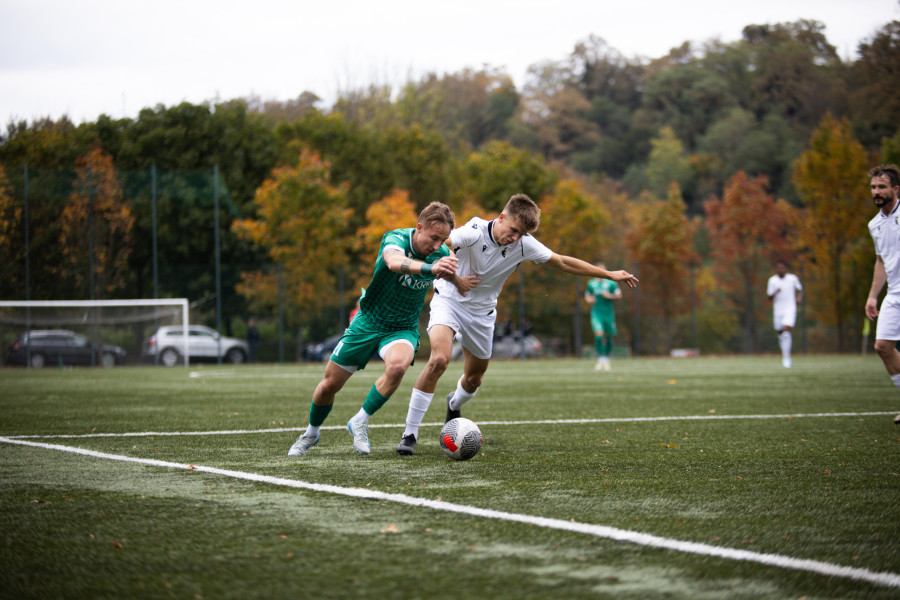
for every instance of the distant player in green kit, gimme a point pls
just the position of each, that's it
(601, 293)
(409, 260)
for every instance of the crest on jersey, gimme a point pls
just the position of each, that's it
(503, 253)
(410, 282)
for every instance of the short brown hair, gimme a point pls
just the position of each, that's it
(525, 210)
(437, 212)
(889, 171)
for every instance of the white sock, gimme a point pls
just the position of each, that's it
(419, 402)
(362, 416)
(312, 431)
(460, 396)
(896, 380)
(784, 340)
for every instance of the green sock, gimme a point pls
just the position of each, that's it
(608, 348)
(317, 414)
(374, 401)
(599, 345)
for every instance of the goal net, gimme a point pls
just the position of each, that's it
(85, 332)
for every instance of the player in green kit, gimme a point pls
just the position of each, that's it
(409, 260)
(601, 293)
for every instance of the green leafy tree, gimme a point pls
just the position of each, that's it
(499, 170)
(830, 178)
(795, 69)
(668, 163)
(875, 79)
(469, 107)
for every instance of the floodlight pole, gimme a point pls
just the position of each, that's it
(218, 269)
(90, 184)
(27, 278)
(154, 250)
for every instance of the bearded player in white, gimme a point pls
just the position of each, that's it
(488, 253)
(785, 292)
(884, 182)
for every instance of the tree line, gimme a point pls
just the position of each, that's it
(697, 169)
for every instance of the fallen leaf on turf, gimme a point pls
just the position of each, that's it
(391, 528)
(117, 544)
(672, 381)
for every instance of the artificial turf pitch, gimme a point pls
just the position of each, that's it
(759, 481)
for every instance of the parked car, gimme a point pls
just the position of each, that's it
(50, 347)
(322, 351)
(203, 344)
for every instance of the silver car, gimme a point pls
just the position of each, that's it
(203, 344)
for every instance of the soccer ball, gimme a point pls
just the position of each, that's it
(460, 438)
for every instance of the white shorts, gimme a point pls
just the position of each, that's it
(476, 332)
(785, 318)
(888, 324)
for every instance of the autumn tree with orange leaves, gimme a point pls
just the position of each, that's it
(301, 223)
(12, 238)
(831, 181)
(389, 213)
(661, 242)
(748, 231)
(573, 223)
(96, 207)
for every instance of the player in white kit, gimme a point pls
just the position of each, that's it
(785, 292)
(885, 230)
(488, 253)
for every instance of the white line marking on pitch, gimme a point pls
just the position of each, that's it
(602, 531)
(389, 425)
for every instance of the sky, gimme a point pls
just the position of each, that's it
(84, 58)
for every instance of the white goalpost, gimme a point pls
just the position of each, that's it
(124, 324)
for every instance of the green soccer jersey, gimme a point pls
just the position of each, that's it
(393, 301)
(603, 307)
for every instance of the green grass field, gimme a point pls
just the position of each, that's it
(665, 478)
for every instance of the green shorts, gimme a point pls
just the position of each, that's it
(361, 342)
(607, 326)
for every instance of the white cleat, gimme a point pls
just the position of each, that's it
(360, 433)
(786, 362)
(302, 445)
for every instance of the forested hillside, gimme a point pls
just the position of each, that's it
(697, 170)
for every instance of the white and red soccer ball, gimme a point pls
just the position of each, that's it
(460, 438)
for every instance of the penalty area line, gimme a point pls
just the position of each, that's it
(401, 425)
(601, 531)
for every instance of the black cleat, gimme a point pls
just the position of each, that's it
(407, 445)
(897, 420)
(451, 414)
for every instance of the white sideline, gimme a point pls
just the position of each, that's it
(602, 531)
(389, 425)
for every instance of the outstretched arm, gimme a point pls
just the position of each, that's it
(576, 266)
(398, 262)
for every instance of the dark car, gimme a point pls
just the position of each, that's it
(322, 351)
(44, 347)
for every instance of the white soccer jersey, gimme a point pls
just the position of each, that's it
(480, 255)
(786, 299)
(885, 232)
